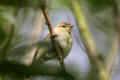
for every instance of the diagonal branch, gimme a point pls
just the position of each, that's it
(116, 19)
(88, 40)
(111, 56)
(53, 39)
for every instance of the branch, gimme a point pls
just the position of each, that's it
(112, 55)
(54, 40)
(116, 19)
(88, 40)
(83, 28)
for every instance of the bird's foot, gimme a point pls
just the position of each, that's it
(54, 36)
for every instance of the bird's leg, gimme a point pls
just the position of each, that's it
(54, 35)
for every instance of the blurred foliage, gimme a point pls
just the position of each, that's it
(98, 14)
(36, 4)
(6, 15)
(6, 18)
(2, 35)
(13, 2)
(20, 70)
(20, 3)
(94, 5)
(99, 5)
(62, 2)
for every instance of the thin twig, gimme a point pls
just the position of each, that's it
(54, 40)
(112, 55)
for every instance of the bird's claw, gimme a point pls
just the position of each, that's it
(54, 36)
(46, 23)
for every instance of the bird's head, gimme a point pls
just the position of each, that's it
(65, 26)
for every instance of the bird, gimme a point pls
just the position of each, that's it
(64, 38)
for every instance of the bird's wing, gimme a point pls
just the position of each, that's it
(42, 53)
(45, 52)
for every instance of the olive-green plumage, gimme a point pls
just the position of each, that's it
(64, 38)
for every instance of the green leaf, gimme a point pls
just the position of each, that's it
(98, 5)
(62, 2)
(6, 16)
(2, 35)
(20, 70)
(21, 3)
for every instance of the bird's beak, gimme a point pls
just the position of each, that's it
(71, 26)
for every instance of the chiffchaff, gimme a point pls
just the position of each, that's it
(64, 38)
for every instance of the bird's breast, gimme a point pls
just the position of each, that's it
(65, 41)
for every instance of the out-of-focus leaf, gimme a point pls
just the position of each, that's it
(7, 20)
(22, 3)
(20, 70)
(13, 2)
(102, 21)
(2, 35)
(6, 16)
(62, 2)
(98, 5)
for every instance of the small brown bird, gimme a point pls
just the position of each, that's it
(64, 38)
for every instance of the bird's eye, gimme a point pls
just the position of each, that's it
(63, 26)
